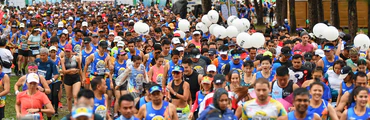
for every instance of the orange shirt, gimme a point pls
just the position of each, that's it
(36, 101)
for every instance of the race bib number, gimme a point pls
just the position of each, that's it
(102, 111)
(42, 73)
(35, 52)
(2, 101)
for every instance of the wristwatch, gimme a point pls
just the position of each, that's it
(39, 109)
(175, 94)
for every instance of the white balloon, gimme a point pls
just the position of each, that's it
(213, 16)
(141, 28)
(201, 26)
(212, 27)
(182, 33)
(184, 25)
(258, 39)
(246, 24)
(243, 39)
(238, 24)
(219, 31)
(145, 30)
(362, 41)
(232, 31)
(206, 21)
(231, 19)
(331, 33)
(137, 26)
(319, 29)
(204, 29)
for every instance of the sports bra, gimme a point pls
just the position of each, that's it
(178, 89)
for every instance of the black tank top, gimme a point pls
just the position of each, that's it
(179, 89)
(194, 84)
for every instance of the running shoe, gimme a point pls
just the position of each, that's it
(60, 105)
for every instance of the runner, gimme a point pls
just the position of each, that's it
(157, 109)
(299, 73)
(235, 63)
(156, 72)
(23, 51)
(219, 109)
(199, 64)
(205, 88)
(264, 107)
(4, 90)
(282, 88)
(192, 77)
(32, 68)
(332, 77)
(34, 42)
(329, 59)
(317, 77)
(99, 87)
(86, 52)
(119, 67)
(359, 96)
(168, 67)
(318, 105)
(126, 107)
(178, 93)
(266, 71)
(234, 80)
(71, 69)
(347, 84)
(133, 50)
(247, 75)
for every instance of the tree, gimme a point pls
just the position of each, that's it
(334, 13)
(278, 12)
(313, 13)
(292, 16)
(206, 6)
(352, 17)
(247, 2)
(284, 10)
(368, 18)
(259, 11)
(320, 11)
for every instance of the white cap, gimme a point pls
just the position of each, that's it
(274, 23)
(120, 44)
(70, 18)
(111, 33)
(131, 21)
(53, 48)
(55, 15)
(32, 77)
(176, 40)
(38, 29)
(211, 67)
(65, 31)
(84, 23)
(320, 53)
(196, 32)
(180, 48)
(223, 52)
(117, 39)
(24, 19)
(21, 25)
(60, 24)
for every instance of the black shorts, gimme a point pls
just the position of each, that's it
(71, 79)
(24, 53)
(37, 49)
(122, 87)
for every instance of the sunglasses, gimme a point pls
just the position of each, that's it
(176, 73)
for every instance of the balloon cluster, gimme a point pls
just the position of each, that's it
(362, 41)
(321, 30)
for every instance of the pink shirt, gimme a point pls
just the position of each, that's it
(307, 48)
(157, 74)
(35, 101)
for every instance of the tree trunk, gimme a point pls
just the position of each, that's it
(320, 11)
(368, 18)
(313, 13)
(206, 6)
(284, 10)
(292, 17)
(334, 13)
(352, 17)
(247, 3)
(259, 11)
(278, 12)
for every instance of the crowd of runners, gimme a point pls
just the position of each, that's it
(91, 53)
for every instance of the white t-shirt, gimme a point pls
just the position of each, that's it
(7, 56)
(334, 80)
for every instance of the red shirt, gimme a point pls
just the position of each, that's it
(300, 47)
(35, 101)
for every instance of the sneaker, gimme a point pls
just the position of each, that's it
(19, 73)
(56, 114)
(24, 71)
(60, 105)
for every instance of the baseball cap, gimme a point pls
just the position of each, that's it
(155, 88)
(320, 53)
(84, 24)
(267, 53)
(176, 35)
(122, 51)
(236, 56)
(212, 51)
(68, 48)
(38, 29)
(344, 72)
(195, 53)
(87, 40)
(211, 68)
(82, 111)
(21, 25)
(23, 19)
(94, 35)
(53, 48)
(231, 43)
(196, 32)
(33, 77)
(219, 79)
(180, 48)
(348, 46)
(60, 24)
(103, 44)
(286, 51)
(117, 38)
(328, 47)
(223, 52)
(308, 56)
(120, 43)
(176, 40)
(65, 31)
(111, 33)
(177, 69)
(206, 80)
(70, 18)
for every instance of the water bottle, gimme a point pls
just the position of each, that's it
(36, 116)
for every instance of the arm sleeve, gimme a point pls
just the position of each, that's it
(195, 105)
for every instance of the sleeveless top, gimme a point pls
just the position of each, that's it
(322, 110)
(237, 66)
(328, 64)
(178, 88)
(142, 101)
(136, 79)
(2, 98)
(62, 46)
(151, 57)
(271, 78)
(351, 115)
(119, 68)
(222, 63)
(169, 72)
(345, 88)
(137, 53)
(309, 116)
(98, 65)
(70, 62)
(157, 74)
(25, 87)
(100, 107)
(76, 45)
(152, 114)
(84, 56)
(277, 92)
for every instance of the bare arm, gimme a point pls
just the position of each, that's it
(173, 111)
(200, 77)
(342, 104)
(332, 113)
(19, 83)
(45, 84)
(344, 115)
(142, 111)
(150, 74)
(295, 86)
(316, 117)
(165, 75)
(49, 109)
(339, 93)
(6, 84)
(88, 61)
(320, 63)
(283, 118)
